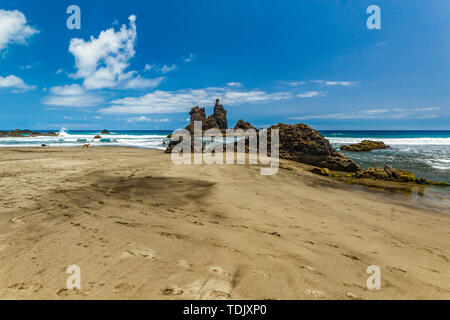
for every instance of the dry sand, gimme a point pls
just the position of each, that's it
(140, 227)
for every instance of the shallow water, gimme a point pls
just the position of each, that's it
(425, 153)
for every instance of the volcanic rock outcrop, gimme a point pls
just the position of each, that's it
(301, 143)
(297, 142)
(241, 124)
(365, 145)
(196, 114)
(26, 133)
(218, 119)
(391, 174)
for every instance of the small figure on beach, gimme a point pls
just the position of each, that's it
(164, 142)
(86, 146)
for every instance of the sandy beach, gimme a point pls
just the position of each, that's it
(140, 227)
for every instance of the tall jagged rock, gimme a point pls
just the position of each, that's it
(218, 119)
(301, 143)
(196, 114)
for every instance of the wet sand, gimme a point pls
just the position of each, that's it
(140, 227)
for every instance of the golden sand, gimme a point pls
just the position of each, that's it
(140, 227)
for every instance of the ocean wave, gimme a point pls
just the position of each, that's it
(392, 141)
(65, 139)
(439, 164)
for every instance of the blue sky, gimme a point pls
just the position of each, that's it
(144, 64)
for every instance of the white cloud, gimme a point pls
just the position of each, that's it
(72, 96)
(385, 113)
(139, 119)
(14, 28)
(190, 58)
(335, 83)
(310, 94)
(148, 67)
(103, 62)
(426, 109)
(15, 83)
(26, 67)
(146, 119)
(160, 69)
(296, 83)
(166, 69)
(140, 83)
(234, 84)
(375, 111)
(183, 100)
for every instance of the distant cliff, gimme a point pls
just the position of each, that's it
(26, 133)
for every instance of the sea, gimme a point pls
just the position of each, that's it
(425, 153)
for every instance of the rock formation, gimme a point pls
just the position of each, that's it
(297, 142)
(391, 174)
(196, 114)
(26, 133)
(218, 119)
(241, 124)
(105, 132)
(301, 143)
(365, 145)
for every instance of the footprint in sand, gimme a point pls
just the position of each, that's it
(72, 292)
(185, 265)
(172, 291)
(218, 270)
(123, 287)
(260, 273)
(26, 287)
(315, 293)
(308, 268)
(217, 284)
(140, 252)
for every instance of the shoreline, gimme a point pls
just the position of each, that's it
(398, 192)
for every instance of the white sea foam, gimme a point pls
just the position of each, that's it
(63, 133)
(65, 139)
(393, 141)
